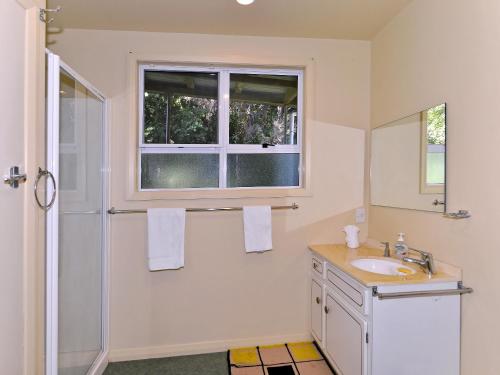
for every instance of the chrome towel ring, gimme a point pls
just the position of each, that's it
(42, 173)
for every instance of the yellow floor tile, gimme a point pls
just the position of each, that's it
(245, 357)
(304, 351)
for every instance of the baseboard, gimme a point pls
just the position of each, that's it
(130, 354)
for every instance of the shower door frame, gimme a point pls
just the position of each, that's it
(54, 67)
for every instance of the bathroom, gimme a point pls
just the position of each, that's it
(364, 65)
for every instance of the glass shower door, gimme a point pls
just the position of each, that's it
(75, 224)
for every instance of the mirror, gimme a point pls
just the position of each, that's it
(408, 162)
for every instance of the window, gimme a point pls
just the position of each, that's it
(206, 127)
(433, 150)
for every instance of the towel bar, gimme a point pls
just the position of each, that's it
(114, 211)
(424, 293)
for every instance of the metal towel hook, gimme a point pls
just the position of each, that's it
(45, 12)
(42, 173)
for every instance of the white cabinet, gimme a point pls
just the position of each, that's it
(361, 334)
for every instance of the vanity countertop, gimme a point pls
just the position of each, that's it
(341, 256)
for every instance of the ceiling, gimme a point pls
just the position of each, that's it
(339, 19)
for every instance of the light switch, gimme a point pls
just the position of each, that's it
(360, 215)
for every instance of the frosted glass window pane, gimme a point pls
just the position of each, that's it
(179, 171)
(435, 164)
(248, 170)
(180, 107)
(263, 109)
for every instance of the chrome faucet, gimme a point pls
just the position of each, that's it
(426, 261)
(387, 250)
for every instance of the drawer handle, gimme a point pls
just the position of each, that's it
(327, 310)
(318, 300)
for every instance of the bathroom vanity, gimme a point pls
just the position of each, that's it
(366, 323)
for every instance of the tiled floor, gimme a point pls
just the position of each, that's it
(290, 359)
(287, 359)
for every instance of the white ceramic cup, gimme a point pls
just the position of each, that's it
(351, 237)
(352, 243)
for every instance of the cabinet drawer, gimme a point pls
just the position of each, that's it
(317, 267)
(347, 288)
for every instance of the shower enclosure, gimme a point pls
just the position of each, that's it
(76, 230)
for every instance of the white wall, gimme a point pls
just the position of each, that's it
(439, 51)
(224, 296)
(12, 55)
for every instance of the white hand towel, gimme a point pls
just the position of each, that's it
(166, 238)
(258, 228)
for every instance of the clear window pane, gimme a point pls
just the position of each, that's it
(248, 170)
(179, 171)
(68, 163)
(67, 107)
(263, 109)
(180, 107)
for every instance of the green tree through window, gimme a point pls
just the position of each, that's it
(436, 125)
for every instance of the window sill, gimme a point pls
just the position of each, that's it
(234, 193)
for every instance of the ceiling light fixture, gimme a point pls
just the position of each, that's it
(245, 2)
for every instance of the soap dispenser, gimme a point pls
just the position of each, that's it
(400, 247)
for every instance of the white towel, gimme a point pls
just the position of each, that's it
(166, 238)
(258, 229)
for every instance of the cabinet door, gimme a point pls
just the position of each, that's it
(345, 337)
(316, 309)
(429, 326)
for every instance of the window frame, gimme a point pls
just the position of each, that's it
(425, 187)
(223, 147)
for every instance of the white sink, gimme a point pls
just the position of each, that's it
(382, 266)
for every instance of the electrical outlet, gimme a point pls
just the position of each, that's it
(360, 215)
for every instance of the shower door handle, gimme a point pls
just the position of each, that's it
(50, 176)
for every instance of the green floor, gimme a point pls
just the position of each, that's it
(203, 364)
